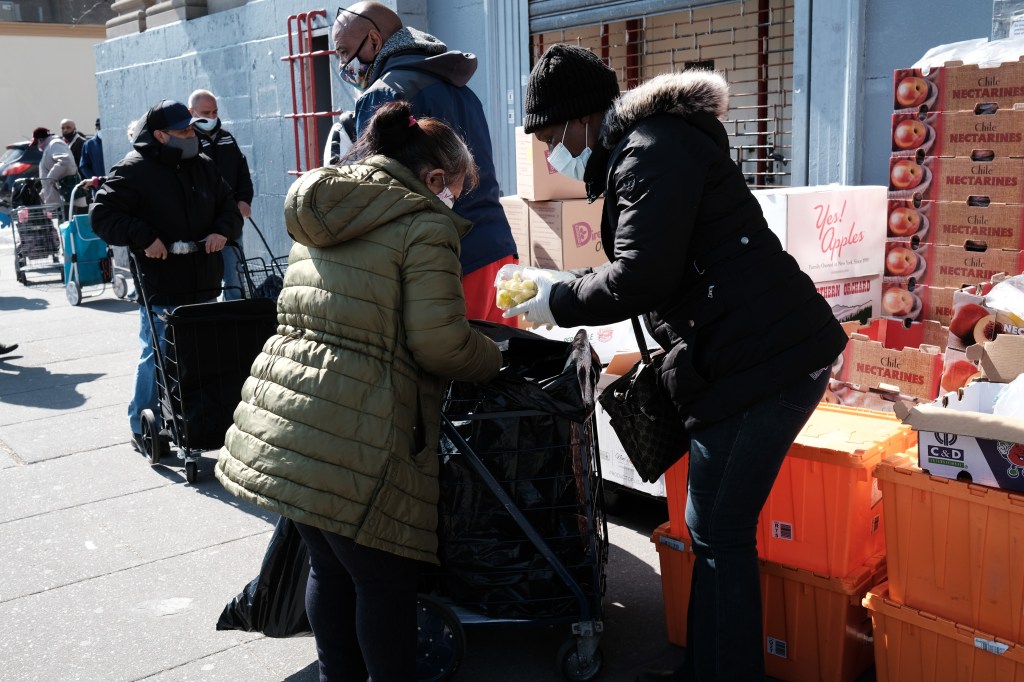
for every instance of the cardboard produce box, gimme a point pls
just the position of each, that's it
(959, 87)
(959, 133)
(565, 235)
(994, 225)
(833, 231)
(536, 180)
(518, 215)
(892, 357)
(973, 322)
(858, 298)
(900, 301)
(1000, 180)
(959, 437)
(943, 265)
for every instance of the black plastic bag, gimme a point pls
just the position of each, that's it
(274, 603)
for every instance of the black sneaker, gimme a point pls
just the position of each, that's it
(137, 443)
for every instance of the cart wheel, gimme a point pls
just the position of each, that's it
(73, 292)
(153, 443)
(120, 286)
(191, 471)
(575, 669)
(441, 642)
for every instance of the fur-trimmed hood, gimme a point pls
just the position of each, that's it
(683, 93)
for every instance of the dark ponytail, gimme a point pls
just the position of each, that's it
(418, 144)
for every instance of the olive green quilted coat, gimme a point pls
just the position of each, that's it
(339, 423)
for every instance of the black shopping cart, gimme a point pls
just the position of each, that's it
(37, 245)
(262, 277)
(207, 352)
(523, 539)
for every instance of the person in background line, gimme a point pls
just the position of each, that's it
(221, 146)
(91, 165)
(340, 138)
(58, 171)
(748, 339)
(74, 139)
(339, 423)
(387, 61)
(162, 192)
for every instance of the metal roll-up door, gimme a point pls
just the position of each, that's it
(749, 41)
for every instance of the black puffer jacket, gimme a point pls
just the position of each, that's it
(221, 146)
(690, 250)
(151, 193)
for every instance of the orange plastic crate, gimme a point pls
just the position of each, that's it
(816, 629)
(916, 646)
(676, 556)
(955, 549)
(676, 479)
(824, 513)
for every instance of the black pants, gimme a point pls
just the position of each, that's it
(361, 604)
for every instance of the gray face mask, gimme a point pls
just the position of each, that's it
(188, 146)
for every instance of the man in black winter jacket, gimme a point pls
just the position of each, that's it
(169, 205)
(748, 339)
(221, 146)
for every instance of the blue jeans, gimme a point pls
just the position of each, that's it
(733, 465)
(232, 255)
(146, 395)
(361, 604)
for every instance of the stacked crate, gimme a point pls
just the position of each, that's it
(953, 606)
(821, 543)
(956, 195)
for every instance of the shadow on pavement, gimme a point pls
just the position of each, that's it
(311, 673)
(22, 303)
(61, 390)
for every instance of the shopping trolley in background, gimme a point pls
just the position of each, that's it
(206, 356)
(88, 260)
(523, 539)
(259, 277)
(37, 245)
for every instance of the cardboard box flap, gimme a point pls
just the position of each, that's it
(933, 417)
(1001, 360)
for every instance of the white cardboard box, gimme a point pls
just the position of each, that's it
(857, 298)
(566, 234)
(960, 438)
(606, 340)
(833, 231)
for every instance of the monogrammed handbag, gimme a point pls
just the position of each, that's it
(643, 416)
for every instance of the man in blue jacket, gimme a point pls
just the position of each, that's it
(387, 61)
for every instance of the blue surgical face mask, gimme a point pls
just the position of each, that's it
(562, 160)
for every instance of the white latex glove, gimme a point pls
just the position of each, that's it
(536, 310)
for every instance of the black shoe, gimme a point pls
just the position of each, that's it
(5, 349)
(137, 443)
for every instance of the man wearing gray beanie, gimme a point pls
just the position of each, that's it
(748, 340)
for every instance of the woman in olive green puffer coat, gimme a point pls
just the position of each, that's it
(338, 426)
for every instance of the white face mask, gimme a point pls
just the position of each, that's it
(562, 160)
(446, 197)
(207, 125)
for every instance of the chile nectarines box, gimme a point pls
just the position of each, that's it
(959, 133)
(958, 87)
(959, 437)
(1000, 180)
(900, 301)
(887, 352)
(945, 265)
(999, 226)
(536, 180)
(566, 234)
(833, 231)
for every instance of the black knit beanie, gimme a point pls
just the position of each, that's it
(567, 82)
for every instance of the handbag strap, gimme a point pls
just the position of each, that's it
(641, 342)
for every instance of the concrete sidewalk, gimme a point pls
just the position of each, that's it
(115, 570)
